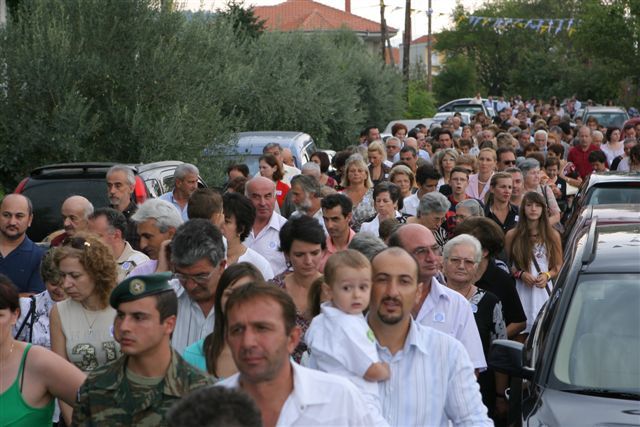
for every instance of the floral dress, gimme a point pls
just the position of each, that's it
(363, 210)
(301, 320)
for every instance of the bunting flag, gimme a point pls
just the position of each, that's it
(549, 25)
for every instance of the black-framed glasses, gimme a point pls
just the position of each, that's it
(79, 243)
(201, 278)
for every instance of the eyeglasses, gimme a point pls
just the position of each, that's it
(509, 162)
(468, 263)
(201, 279)
(76, 243)
(423, 250)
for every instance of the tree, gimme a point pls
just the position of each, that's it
(243, 20)
(421, 102)
(457, 79)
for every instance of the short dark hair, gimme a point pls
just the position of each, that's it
(166, 304)
(240, 207)
(425, 172)
(240, 167)
(411, 150)
(340, 159)
(303, 228)
(552, 161)
(442, 131)
(115, 219)
(597, 156)
(194, 240)
(500, 151)
(368, 129)
(487, 231)
(203, 203)
(238, 184)
(324, 160)
(48, 270)
(9, 296)
(252, 291)
(392, 189)
(460, 169)
(337, 199)
(215, 407)
(397, 126)
(558, 149)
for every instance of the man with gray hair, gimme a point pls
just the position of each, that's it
(185, 183)
(311, 169)
(393, 146)
(157, 222)
(367, 244)
(198, 259)
(431, 213)
(121, 182)
(540, 138)
(75, 218)
(275, 149)
(306, 197)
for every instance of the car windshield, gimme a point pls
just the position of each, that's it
(600, 340)
(470, 108)
(614, 194)
(609, 120)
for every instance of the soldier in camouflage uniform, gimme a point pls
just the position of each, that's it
(139, 387)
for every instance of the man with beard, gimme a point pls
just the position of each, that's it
(121, 183)
(434, 366)
(306, 197)
(75, 218)
(198, 258)
(19, 256)
(157, 222)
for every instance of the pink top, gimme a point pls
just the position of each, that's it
(472, 188)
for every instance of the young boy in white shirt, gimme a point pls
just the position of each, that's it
(339, 339)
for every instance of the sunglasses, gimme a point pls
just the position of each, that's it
(509, 162)
(76, 243)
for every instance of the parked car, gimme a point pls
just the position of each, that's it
(441, 117)
(246, 147)
(605, 188)
(580, 365)
(48, 186)
(450, 106)
(606, 116)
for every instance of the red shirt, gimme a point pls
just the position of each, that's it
(281, 192)
(580, 159)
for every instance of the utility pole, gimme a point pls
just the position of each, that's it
(406, 41)
(429, 43)
(383, 33)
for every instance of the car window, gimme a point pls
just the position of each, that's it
(154, 187)
(614, 194)
(599, 343)
(609, 119)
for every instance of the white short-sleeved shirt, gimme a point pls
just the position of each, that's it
(410, 205)
(259, 261)
(450, 312)
(342, 344)
(267, 243)
(373, 226)
(431, 383)
(318, 399)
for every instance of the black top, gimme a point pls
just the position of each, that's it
(132, 229)
(502, 285)
(509, 223)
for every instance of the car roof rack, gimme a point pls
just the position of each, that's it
(592, 242)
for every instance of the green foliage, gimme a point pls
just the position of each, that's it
(457, 79)
(140, 81)
(421, 102)
(244, 22)
(594, 62)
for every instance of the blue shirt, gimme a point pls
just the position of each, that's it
(22, 266)
(432, 381)
(168, 197)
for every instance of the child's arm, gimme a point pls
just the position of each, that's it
(378, 371)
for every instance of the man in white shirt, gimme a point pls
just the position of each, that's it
(262, 333)
(275, 149)
(186, 182)
(111, 226)
(432, 381)
(198, 258)
(265, 235)
(439, 307)
(427, 178)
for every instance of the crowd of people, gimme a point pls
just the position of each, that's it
(365, 290)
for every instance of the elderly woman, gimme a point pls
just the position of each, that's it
(432, 212)
(466, 209)
(445, 162)
(377, 154)
(387, 203)
(403, 177)
(303, 242)
(531, 175)
(359, 188)
(461, 257)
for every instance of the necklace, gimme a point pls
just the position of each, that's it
(90, 324)
(10, 351)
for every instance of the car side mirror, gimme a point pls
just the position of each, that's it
(507, 357)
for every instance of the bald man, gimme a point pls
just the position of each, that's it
(75, 218)
(19, 256)
(264, 237)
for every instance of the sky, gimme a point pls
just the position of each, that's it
(370, 9)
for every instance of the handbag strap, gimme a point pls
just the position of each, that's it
(535, 263)
(28, 319)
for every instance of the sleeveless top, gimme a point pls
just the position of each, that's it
(90, 342)
(15, 412)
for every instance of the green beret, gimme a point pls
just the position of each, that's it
(136, 287)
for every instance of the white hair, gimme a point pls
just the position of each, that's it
(463, 239)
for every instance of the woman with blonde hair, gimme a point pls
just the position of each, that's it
(81, 325)
(479, 182)
(445, 162)
(377, 154)
(535, 253)
(403, 177)
(359, 188)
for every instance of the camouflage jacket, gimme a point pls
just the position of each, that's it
(106, 399)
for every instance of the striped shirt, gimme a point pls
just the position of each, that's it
(432, 381)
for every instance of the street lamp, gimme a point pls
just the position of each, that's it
(429, 13)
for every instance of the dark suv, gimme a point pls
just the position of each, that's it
(581, 362)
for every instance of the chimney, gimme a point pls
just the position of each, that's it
(347, 6)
